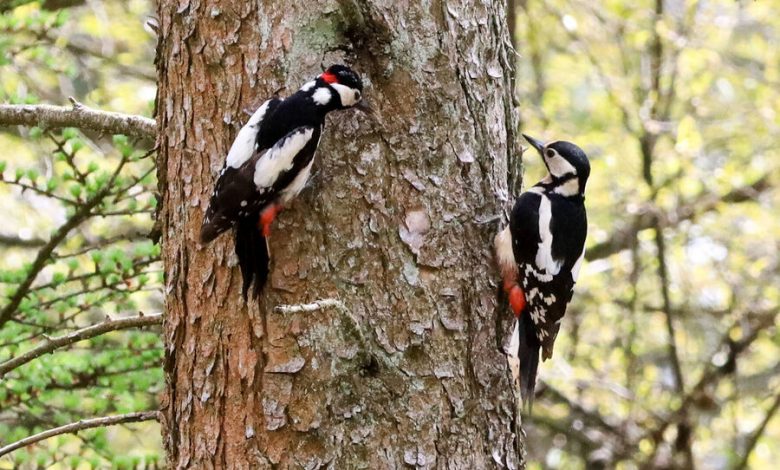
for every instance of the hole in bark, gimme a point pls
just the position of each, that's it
(369, 367)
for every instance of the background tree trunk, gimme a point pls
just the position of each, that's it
(397, 224)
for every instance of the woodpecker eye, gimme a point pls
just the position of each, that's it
(550, 153)
(357, 96)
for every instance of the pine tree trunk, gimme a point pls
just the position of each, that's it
(397, 224)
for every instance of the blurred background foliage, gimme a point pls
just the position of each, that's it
(669, 356)
(101, 188)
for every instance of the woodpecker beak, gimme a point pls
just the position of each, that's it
(362, 106)
(538, 145)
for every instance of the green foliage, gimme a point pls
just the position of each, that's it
(587, 74)
(105, 265)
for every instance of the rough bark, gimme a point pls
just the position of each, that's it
(397, 225)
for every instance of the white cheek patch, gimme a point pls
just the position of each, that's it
(349, 96)
(559, 167)
(280, 158)
(308, 85)
(321, 96)
(569, 188)
(244, 145)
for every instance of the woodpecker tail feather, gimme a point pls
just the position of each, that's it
(528, 349)
(253, 258)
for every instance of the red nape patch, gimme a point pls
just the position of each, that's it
(517, 300)
(329, 77)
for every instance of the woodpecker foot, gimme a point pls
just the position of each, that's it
(267, 217)
(516, 299)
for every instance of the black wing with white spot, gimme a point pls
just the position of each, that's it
(546, 300)
(244, 191)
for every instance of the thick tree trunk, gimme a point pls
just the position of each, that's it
(397, 225)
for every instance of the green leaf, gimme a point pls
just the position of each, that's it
(120, 140)
(75, 190)
(32, 174)
(52, 184)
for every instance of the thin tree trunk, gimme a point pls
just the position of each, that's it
(397, 225)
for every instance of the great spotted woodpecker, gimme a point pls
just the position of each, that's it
(540, 254)
(269, 164)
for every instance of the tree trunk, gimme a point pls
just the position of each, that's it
(396, 224)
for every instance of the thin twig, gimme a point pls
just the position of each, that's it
(44, 255)
(622, 238)
(80, 335)
(711, 375)
(311, 307)
(81, 425)
(758, 433)
(10, 240)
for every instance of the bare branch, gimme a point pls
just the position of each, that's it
(758, 433)
(8, 5)
(712, 374)
(10, 240)
(81, 425)
(81, 45)
(50, 117)
(622, 238)
(577, 410)
(80, 335)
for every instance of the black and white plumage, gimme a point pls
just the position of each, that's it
(540, 254)
(270, 162)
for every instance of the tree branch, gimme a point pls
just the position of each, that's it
(73, 428)
(622, 238)
(758, 433)
(80, 335)
(50, 117)
(712, 374)
(10, 240)
(44, 254)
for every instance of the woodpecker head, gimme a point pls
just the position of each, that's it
(564, 161)
(338, 87)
